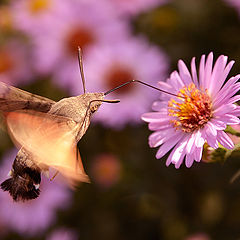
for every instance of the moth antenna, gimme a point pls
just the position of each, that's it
(80, 62)
(138, 81)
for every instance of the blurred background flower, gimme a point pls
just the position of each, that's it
(198, 236)
(62, 234)
(132, 195)
(15, 66)
(115, 64)
(106, 170)
(75, 23)
(234, 3)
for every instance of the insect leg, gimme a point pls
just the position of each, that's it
(56, 173)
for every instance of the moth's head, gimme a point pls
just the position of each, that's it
(93, 101)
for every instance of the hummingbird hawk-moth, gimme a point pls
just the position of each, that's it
(46, 133)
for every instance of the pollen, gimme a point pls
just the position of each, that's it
(192, 110)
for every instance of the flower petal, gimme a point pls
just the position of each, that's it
(154, 117)
(218, 124)
(226, 91)
(211, 137)
(178, 82)
(198, 153)
(199, 138)
(225, 140)
(229, 119)
(178, 153)
(184, 73)
(236, 112)
(224, 109)
(208, 70)
(157, 126)
(189, 160)
(168, 145)
(194, 72)
(160, 106)
(218, 77)
(190, 143)
(159, 137)
(234, 99)
(210, 129)
(202, 72)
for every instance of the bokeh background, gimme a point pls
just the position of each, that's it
(132, 194)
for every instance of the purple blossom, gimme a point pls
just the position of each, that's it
(111, 65)
(34, 216)
(199, 113)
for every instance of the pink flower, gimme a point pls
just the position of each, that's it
(108, 66)
(200, 112)
(34, 216)
(14, 63)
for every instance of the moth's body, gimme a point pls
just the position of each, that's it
(72, 113)
(73, 107)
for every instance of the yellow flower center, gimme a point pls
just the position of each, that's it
(193, 110)
(37, 6)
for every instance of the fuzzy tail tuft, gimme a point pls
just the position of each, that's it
(19, 189)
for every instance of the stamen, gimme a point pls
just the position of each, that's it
(193, 109)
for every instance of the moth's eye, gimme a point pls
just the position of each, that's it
(94, 108)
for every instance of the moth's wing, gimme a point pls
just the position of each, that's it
(12, 99)
(10, 92)
(51, 139)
